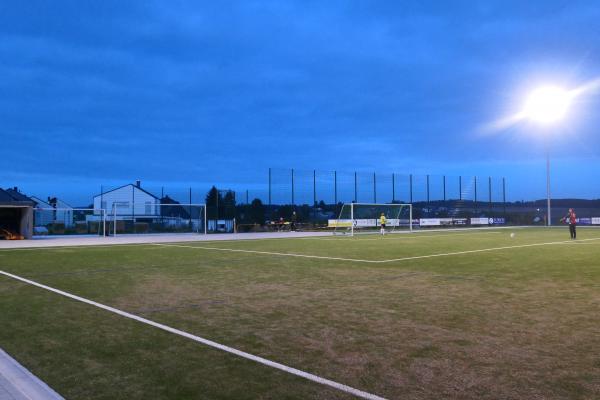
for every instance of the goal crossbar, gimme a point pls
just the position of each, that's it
(353, 219)
(126, 210)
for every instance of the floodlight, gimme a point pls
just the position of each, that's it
(548, 104)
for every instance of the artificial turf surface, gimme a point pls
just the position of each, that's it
(510, 323)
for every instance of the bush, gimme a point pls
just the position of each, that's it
(56, 228)
(141, 227)
(81, 227)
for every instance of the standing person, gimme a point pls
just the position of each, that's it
(382, 222)
(571, 219)
(294, 220)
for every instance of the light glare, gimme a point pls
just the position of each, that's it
(547, 104)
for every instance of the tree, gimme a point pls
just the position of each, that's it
(213, 199)
(257, 212)
(227, 205)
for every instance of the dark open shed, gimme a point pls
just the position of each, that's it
(16, 215)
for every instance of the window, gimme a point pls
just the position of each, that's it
(148, 208)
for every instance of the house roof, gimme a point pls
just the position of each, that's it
(129, 184)
(12, 197)
(40, 201)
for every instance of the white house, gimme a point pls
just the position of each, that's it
(128, 200)
(43, 213)
(52, 211)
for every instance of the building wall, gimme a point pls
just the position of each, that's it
(45, 216)
(62, 213)
(128, 200)
(27, 222)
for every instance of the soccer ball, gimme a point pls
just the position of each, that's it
(512, 235)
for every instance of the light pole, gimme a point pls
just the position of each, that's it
(546, 106)
(549, 222)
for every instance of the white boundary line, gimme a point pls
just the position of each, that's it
(207, 342)
(393, 236)
(380, 261)
(488, 249)
(269, 253)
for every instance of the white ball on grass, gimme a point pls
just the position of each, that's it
(512, 235)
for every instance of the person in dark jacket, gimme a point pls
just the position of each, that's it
(293, 221)
(571, 219)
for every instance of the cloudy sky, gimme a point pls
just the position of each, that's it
(195, 93)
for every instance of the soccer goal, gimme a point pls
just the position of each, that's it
(357, 218)
(69, 221)
(140, 218)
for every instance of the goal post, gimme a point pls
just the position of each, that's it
(360, 218)
(69, 221)
(140, 218)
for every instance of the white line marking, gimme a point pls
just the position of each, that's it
(243, 354)
(76, 247)
(484, 250)
(271, 253)
(394, 236)
(375, 261)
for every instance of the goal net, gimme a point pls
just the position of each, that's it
(68, 221)
(357, 218)
(128, 217)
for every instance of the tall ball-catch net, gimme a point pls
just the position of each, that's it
(359, 218)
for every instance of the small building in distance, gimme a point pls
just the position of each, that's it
(130, 200)
(16, 215)
(53, 211)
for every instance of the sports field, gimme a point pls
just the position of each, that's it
(429, 315)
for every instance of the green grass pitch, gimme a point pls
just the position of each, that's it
(513, 322)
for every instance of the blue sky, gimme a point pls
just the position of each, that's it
(196, 93)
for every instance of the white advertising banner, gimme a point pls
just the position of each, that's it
(481, 221)
(595, 220)
(430, 222)
(365, 223)
(339, 223)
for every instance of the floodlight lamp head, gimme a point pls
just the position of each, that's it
(548, 104)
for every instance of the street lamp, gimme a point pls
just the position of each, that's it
(545, 106)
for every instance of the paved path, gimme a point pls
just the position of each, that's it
(17, 383)
(86, 240)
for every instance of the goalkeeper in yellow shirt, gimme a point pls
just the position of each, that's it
(382, 222)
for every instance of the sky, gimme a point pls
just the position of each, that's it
(195, 93)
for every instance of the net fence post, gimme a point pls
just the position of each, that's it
(504, 196)
(410, 216)
(410, 184)
(335, 188)
(444, 183)
(352, 219)
(393, 187)
(374, 187)
(475, 180)
(314, 187)
(355, 187)
(490, 193)
(428, 192)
